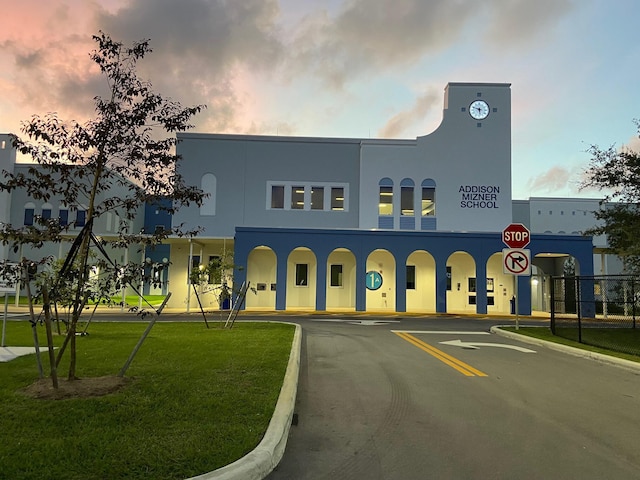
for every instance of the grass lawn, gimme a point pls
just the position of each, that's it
(198, 399)
(619, 337)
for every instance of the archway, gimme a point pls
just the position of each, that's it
(341, 280)
(382, 297)
(261, 273)
(461, 283)
(421, 282)
(500, 287)
(301, 279)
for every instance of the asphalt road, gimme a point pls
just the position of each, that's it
(374, 404)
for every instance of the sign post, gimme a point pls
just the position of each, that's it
(516, 260)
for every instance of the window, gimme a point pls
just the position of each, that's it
(81, 218)
(46, 211)
(297, 198)
(317, 198)
(337, 198)
(428, 205)
(411, 277)
(385, 207)
(406, 197)
(472, 285)
(301, 274)
(29, 211)
(305, 196)
(277, 196)
(63, 215)
(336, 275)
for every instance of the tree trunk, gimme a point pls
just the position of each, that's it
(47, 323)
(36, 343)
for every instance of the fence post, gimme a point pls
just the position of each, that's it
(553, 306)
(578, 309)
(633, 301)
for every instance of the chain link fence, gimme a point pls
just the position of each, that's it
(601, 311)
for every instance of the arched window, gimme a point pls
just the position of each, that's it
(385, 206)
(63, 215)
(29, 213)
(208, 184)
(81, 217)
(428, 205)
(46, 211)
(406, 198)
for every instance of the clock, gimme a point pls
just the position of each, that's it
(479, 109)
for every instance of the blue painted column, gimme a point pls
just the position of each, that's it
(524, 294)
(481, 286)
(401, 286)
(321, 281)
(361, 287)
(441, 285)
(281, 281)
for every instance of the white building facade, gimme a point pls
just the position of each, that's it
(344, 224)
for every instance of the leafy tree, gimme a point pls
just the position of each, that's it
(617, 172)
(122, 147)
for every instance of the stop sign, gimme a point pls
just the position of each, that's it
(516, 235)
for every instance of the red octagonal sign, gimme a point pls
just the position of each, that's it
(516, 235)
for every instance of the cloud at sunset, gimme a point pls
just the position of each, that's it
(400, 122)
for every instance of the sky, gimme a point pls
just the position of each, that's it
(348, 68)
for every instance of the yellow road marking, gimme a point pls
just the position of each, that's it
(453, 362)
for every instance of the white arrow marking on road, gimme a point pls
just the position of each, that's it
(357, 322)
(476, 345)
(440, 332)
(371, 322)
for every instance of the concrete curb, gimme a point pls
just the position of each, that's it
(577, 352)
(258, 463)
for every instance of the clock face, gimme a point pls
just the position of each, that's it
(479, 109)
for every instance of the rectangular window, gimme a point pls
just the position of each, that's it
(301, 274)
(28, 216)
(46, 213)
(336, 275)
(81, 218)
(428, 201)
(64, 217)
(337, 198)
(277, 196)
(317, 198)
(385, 206)
(472, 285)
(411, 277)
(406, 201)
(297, 198)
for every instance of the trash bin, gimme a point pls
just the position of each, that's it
(513, 305)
